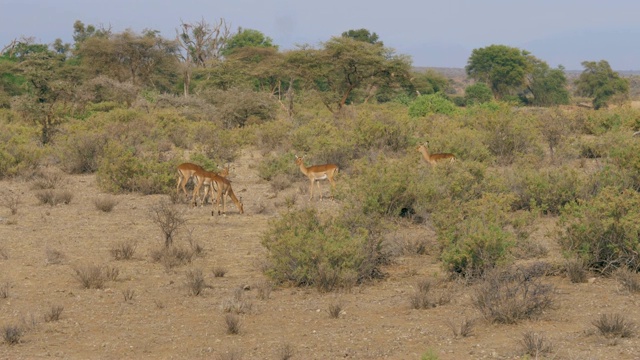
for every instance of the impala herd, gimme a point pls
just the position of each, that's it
(217, 182)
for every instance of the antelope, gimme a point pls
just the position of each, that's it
(213, 180)
(316, 173)
(187, 170)
(432, 159)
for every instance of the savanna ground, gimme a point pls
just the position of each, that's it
(42, 246)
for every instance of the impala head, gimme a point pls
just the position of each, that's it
(299, 159)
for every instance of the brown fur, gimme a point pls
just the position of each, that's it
(316, 173)
(432, 159)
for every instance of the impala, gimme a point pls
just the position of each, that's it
(211, 180)
(213, 185)
(186, 172)
(316, 173)
(434, 158)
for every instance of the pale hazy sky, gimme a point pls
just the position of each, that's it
(434, 33)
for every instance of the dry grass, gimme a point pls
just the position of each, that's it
(12, 334)
(124, 250)
(232, 322)
(5, 290)
(11, 201)
(105, 203)
(576, 270)
(238, 303)
(54, 313)
(195, 282)
(535, 344)
(219, 271)
(335, 309)
(630, 280)
(90, 276)
(615, 326)
(54, 257)
(128, 294)
(54, 197)
(462, 329)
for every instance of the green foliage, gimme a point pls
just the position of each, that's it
(509, 135)
(547, 86)
(324, 142)
(306, 249)
(604, 230)
(425, 105)
(547, 189)
(246, 38)
(273, 165)
(122, 170)
(599, 81)
(501, 67)
(19, 149)
(477, 93)
(363, 35)
(381, 128)
(477, 235)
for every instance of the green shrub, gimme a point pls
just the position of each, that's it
(381, 128)
(274, 164)
(477, 93)
(604, 230)
(425, 105)
(20, 150)
(478, 235)
(122, 170)
(509, 135)
(306, 249)
(324, 142)
(547, 189)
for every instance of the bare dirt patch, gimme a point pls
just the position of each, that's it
(148, 311)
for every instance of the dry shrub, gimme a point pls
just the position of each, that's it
(264, 289)
(54, 256)
(11, 201)
(54, 197)
(172, 256)
(47, 179)
(232, 322)
(286, 351)
(237, 304)
(219, 271)
(168, 218)
(4, 290)
(535, 344)
(510, 295)
(105, 203)
(576, 270)
(128, 294)
(630, 280)
(334, 310)
(195, 282)
(462, 329)
(111, 273)
(614, 326)
(124, 250)
(12, 334)
(429, 294)
(91, 276)
(54, 313)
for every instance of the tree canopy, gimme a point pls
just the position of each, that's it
(501, 67)
(599, 81)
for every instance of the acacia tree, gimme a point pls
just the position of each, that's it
(147, 59)
(247, 38)
(344, 65)
(597, 80)
(200, 44)
(363, 35)
(47, 100)
(546, 86)
(501, 67)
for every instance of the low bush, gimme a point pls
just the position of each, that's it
(615, 326)
(425, 105)
(510, 295)
(547, 190)
(478, 235)
(124, 250)
(305, 248)
(535, 344)
(603, 230)
(105, 203)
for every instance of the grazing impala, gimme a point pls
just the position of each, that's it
(186, 172)
(213, 180)
(316, 173)
(432, 159)
(208, 185)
